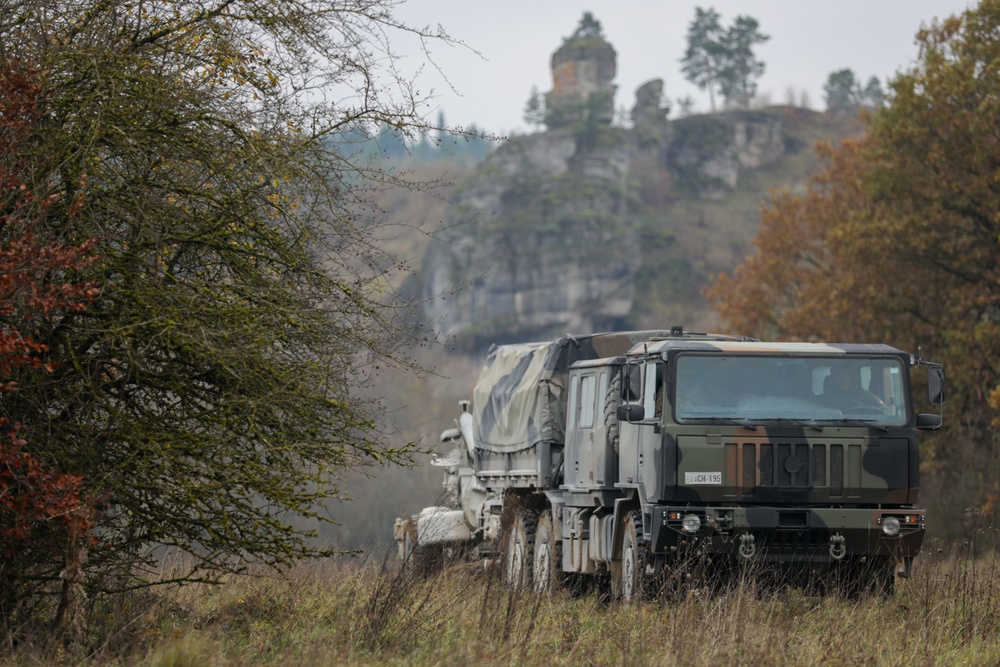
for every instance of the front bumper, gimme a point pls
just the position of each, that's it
(784, 534)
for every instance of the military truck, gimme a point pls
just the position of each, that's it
(631, 457)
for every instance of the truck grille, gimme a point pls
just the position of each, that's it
(756, 466)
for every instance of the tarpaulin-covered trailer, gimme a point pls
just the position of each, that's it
(519, 405)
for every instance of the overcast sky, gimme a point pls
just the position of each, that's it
(808, 40)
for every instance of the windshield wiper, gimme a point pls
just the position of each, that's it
(866, 422)
(796, 422)
(750, 426)
(857, 422)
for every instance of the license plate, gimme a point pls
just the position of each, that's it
(703, 478)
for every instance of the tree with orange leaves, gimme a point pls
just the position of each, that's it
(44, 515)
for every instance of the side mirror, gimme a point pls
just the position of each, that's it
(928, 422)
(935, 385)
(630, 412)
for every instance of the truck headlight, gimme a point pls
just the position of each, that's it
(890, 526)
(691, 523)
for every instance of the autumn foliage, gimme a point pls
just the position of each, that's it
(30, 495)
(898, 241)
(43, 512)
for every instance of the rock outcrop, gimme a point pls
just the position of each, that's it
(648, 110)
(545, 238)
(711, 152)
(548, 245)
(582, 72)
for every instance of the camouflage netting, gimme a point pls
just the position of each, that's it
(519, 399)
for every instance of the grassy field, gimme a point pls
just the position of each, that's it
(355, 613)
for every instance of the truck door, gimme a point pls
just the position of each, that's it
(640, 439)
(581, 420)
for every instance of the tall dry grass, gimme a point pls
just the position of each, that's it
(351, 612)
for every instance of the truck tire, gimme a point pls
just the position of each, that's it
(546, 571)
(611, 403)
(519, 550)
(632, 584)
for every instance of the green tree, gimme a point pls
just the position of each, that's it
(478, 146)
(872, 94)
(703, 60)
(390, 142)
(845, 94)
(588, 28)
(897, 242)
(841, 91)
(723, 58)
(441, 133)
(212, 392)
(741, 69)
(534, 109)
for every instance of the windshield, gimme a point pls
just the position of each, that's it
(773, 388)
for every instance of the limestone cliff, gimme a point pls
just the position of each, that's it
(549, 245)
(588, 227)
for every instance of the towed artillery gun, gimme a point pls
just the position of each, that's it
(630, 456)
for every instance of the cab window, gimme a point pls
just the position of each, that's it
(652, 388)
(574, 405)
(588, 394)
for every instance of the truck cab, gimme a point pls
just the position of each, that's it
(801, 456)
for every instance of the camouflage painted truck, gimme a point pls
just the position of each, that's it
(631, 457)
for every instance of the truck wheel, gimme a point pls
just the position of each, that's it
(611, 402)
(631, 586)
(546, 571)
(519, 553)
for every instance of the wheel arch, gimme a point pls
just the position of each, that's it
(629, 503)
